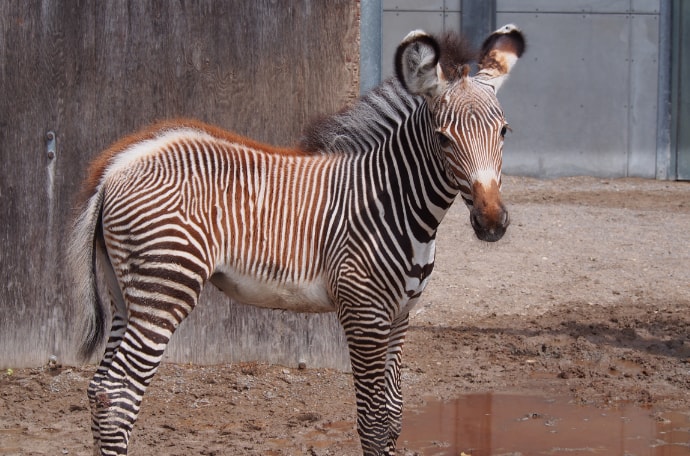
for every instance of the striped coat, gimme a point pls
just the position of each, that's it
(345, 222)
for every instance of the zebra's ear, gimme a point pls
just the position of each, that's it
(499, 53)
(417, 67)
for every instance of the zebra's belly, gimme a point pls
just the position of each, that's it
(304, 296)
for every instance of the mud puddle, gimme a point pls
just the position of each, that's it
(500, 424)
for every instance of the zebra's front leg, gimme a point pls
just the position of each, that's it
(368, 344)
(394, 399)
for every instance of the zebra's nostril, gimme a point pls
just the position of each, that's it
(474, 220)
(489, 229)
(505, 219)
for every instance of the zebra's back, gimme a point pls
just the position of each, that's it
(252, 219)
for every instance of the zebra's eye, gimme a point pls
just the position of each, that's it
(443, 140)
(505, 130)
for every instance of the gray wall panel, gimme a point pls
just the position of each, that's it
(680, 89)
(644, 72)
(645, 6)
(583, 100)
(396, 24)
(568, 99)
(426, 5)
(579, 6)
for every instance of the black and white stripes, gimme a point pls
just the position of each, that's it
(345, 222)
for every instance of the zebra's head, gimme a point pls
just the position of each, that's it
(467, 119)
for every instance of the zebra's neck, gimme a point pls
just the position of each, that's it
(397, 170)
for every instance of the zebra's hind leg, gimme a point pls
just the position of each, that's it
(394, 399)
(122, 386)
(156, 305)
(95, 391)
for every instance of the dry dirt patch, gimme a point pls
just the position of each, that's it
(587, 296)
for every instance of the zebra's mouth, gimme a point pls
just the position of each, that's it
(489, 229)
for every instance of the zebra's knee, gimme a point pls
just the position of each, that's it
(97, 394)
(93, 390)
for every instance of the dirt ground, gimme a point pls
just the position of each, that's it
(587, 297)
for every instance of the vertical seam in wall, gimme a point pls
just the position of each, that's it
(628, 142)
(674, 152)
(665, 88)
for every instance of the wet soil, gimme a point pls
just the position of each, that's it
(587, 298)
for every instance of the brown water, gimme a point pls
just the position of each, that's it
(509, 425)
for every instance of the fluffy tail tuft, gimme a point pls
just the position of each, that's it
(86, 300)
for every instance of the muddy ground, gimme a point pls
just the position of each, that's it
(587, 297)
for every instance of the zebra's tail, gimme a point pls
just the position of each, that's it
(82, 253)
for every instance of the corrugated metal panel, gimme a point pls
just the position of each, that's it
(583, 100)
(579, 6)
(681, 89)
(402, 16)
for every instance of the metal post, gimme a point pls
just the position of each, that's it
(370, 37)
(478, 19)
(665, 156)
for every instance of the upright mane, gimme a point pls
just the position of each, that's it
(328, 133)
(456, 51)
(334, 133)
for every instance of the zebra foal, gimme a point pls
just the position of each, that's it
(345, 222)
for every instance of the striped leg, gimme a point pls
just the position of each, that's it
(394, 398)
(157, 301)
(368, 343)
(95, 391)
(118, 308)
(121, 388)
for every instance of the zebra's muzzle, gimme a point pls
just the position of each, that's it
(488, 215)
(489, 228)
